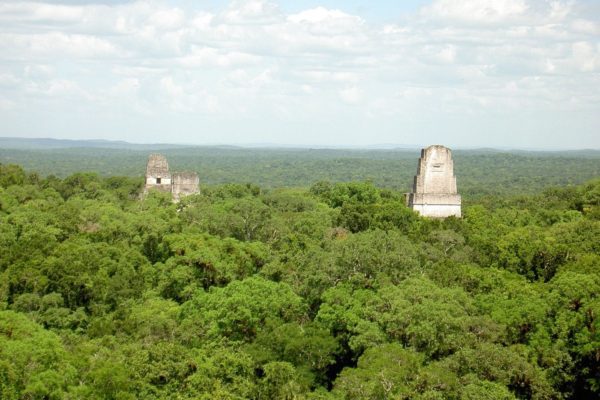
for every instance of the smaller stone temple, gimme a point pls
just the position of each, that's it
(158, 177)
(184, 184)
(434, 190)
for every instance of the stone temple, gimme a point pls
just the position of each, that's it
(158, 177)
(434, 190)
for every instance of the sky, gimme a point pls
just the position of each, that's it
(462, 73)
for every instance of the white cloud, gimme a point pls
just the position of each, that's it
(208, 56)
(586, 56)
(8, 80)
(55, 44)
(40, 12)
(6, 104)
(251, 12)
(169, 19)
(185, 97)
(126, 87)
(38, 71)
(321, 19)
(350, 95)
(480, 11)
(170, 88)
(57, 89)
(585, 26)
(468, 57)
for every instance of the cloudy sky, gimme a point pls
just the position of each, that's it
(465, 73)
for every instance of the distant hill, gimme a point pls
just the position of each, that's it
(48, 143)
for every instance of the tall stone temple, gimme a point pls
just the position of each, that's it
(158, 177)
(434, 190)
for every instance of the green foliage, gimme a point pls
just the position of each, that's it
(382, 372)
(33, 361)
(435, 321)
(11, 174)
(338, 291)
(528, 251)
(245, 308)
(280, 381)
(200, 260)
(222, 372)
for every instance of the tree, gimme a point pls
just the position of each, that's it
(242, 309)
(530, 252)
(383, 372)
(33, 361)
(435, 321)
(11, 174)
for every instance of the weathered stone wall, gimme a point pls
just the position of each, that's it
(435, 171)
(157, 165)
(157, 173)
(158, 177)
(434, 190)
(184, 184)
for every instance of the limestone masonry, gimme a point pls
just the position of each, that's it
(158, 177)
(184, 183)
(434, 190)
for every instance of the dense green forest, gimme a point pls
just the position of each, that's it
(480, 172)
(335, 291)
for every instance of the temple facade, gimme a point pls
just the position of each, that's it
(158, 177)
(434, 189)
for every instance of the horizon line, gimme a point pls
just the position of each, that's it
(314, 146)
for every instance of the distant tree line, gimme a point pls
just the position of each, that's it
(479, 173)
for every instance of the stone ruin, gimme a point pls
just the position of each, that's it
(158, 177)
(434, 190)
(184, 184)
